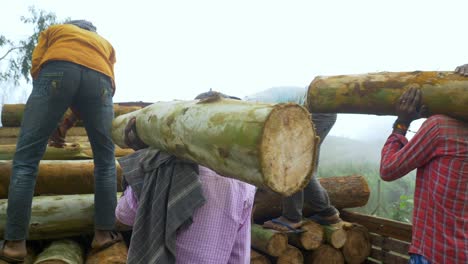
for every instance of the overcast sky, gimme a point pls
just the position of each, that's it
(177, 49)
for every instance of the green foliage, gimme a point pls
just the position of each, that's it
(19, 52)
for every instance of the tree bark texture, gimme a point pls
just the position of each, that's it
(247, 141)
(344, 192)
(268, 241)
(12, 114)
(58, 177)
(311, 239)
(325, 254)
(59, 216)
(377, 93)
(115, 254)
(61, 251)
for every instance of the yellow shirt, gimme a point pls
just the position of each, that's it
(71, 43)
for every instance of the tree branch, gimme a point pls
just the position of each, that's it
(10, 50)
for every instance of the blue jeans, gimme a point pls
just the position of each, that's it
(418, 259)
(61, 85)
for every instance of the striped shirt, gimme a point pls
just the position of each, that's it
(439, 152)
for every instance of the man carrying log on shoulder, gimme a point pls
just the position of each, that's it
(72, 66)
(314, 194)
(439, 152)
(182, 212)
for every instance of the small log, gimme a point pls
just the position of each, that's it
(268, 241)
(59, 216)
(344, 192)
(61, 252)
(115, 254)
(357, 246)
(68, 152)
(377, 93)
(243, 140)
(334, 236)
(257, 258)
(58, 177)
(310, 239)
(12, 114)
(291, 255)
(325, 254)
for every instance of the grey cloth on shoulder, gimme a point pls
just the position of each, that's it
(84, 24)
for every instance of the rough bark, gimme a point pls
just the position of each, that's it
(268, 241)
(291, 255)
(58, 177)
(116, 254)
(344, 192)
(310, 239)
(376, 93)
(335, 237)
(69, 152)
(257, 258)
(243, 140)
(59, 216)
(357, 246)
(325, 254)
(61, 251)
(12, 114)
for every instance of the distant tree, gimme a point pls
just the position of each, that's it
(18, 53)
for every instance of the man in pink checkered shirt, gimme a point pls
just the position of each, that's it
(220, 231)
(439, 152)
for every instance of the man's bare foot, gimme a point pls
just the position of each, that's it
(282, 224)
(15, 249)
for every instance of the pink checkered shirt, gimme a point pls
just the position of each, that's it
(440, 219)
(220, 232)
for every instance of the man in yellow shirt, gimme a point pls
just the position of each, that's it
(72, 66)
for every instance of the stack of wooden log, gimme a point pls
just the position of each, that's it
(62, 211)
(63, 205)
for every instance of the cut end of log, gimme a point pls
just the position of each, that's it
(277, 244)
(325, 254)
(357, 246)
(338, 238)
(291, 255)
(287, 148)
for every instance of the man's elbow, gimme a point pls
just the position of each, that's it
(386, 174)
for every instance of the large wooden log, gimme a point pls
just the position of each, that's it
(59, 216)
(310, 239)
(325, 254)
(58, 177)
(268, 241)
(357, 246)
(61, 252)
(344, 192)
(243, 140)
(377, 93)
(68, 152)
(12, 114)
(257, 258)
(115, 254)
(291, 255)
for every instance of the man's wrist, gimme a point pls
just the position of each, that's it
(400, 127)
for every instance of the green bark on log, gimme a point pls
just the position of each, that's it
(58, 216)
(65, 251)
(248, 141)
(69, 152)
(58, 177)
(377, 93)
(13, 132)
(335, 237)
(268, 241)
(12, 114)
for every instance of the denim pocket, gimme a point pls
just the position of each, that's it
(47, 84)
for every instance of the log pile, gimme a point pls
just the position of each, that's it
(62, 216)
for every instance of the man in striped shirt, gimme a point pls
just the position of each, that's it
(439, 152)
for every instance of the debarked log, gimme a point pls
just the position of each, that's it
(343, 191)
(58, 177)
(267, 145)
(64, 251)
(12, 114)
(59, 216)
(377, 93)
(68, 152)
(13, 132)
